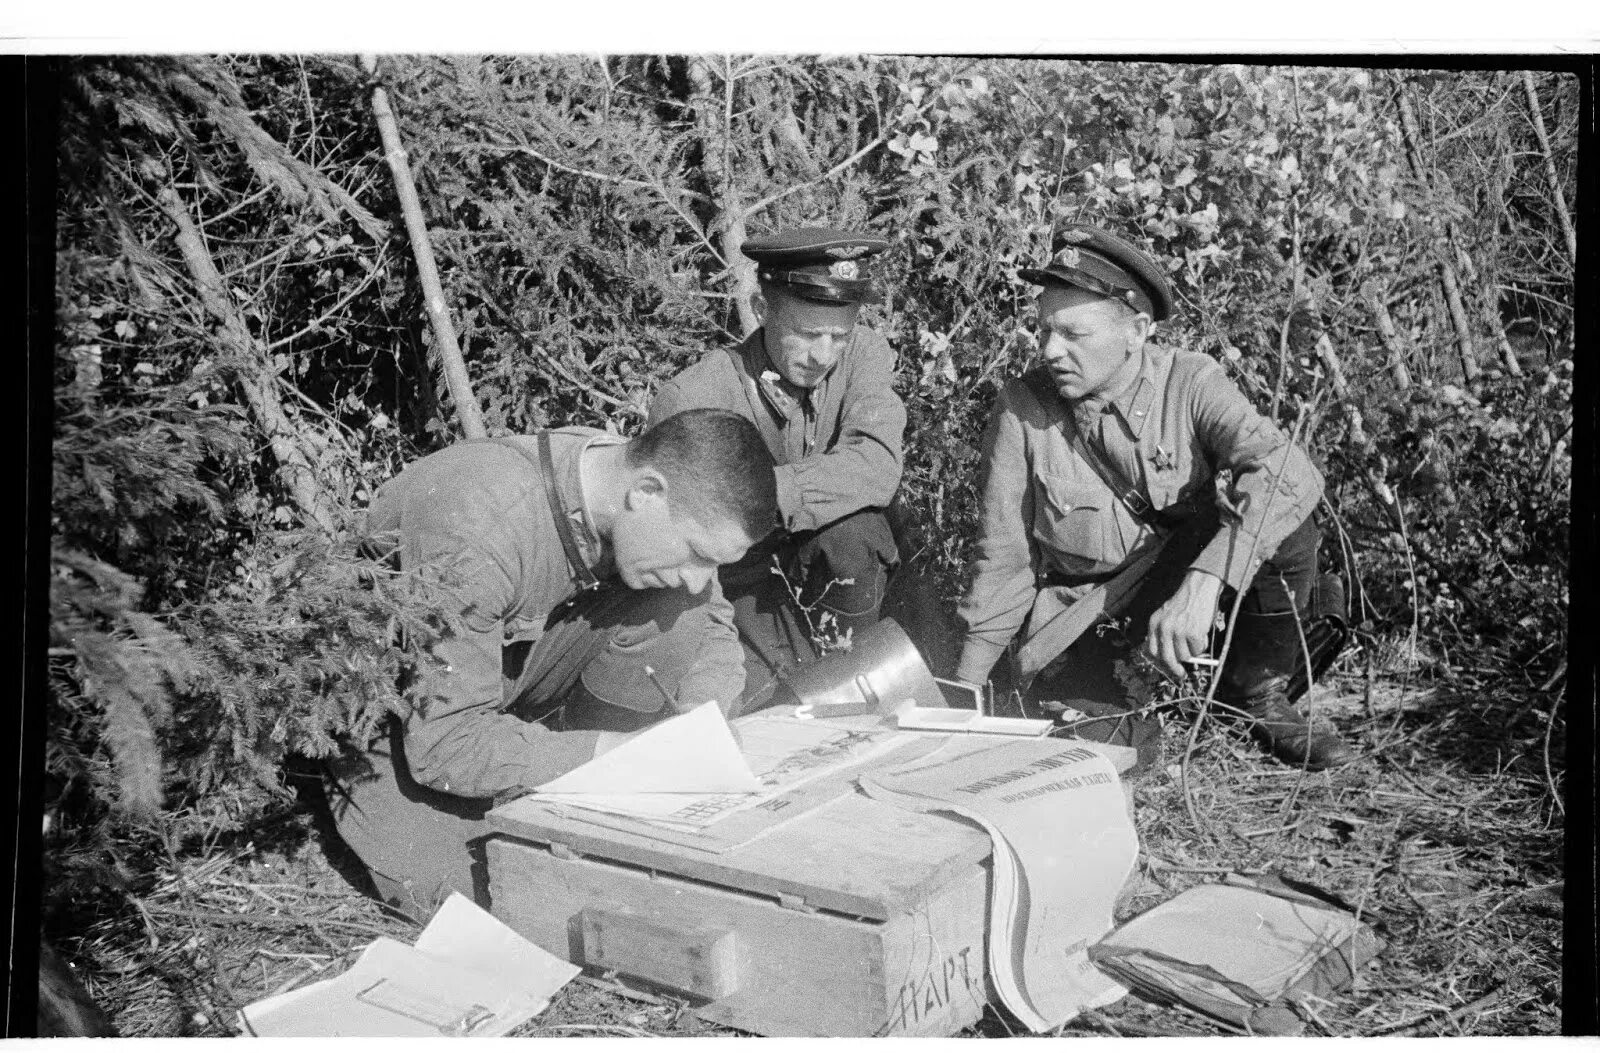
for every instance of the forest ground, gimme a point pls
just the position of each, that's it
(1446, 836)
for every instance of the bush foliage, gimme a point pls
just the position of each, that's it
(1376, 255)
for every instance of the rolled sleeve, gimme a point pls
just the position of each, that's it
(1003, 585)
(1273, 485)
(862, 468)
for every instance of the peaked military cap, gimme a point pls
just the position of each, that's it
(1102, 263)
(818, 263)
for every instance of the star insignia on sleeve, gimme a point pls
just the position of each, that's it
(1164, 460)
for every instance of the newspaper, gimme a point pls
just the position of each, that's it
(1064, 845)
(782, 753)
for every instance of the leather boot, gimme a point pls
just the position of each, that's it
(1254, 690)
(1280, 729)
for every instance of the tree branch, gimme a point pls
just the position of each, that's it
(258, 382)
(316, 323)
(772, 199)
(1447, 272)
(1557, 197)
(444, 333)
(587, 173)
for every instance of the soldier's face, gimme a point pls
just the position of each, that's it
(1085, 339)
(654, 548)
(804, 338)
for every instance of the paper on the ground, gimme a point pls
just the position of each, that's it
(468, 975)
(463, 932)
(693, 752)
(780, 751)
(1064, 844)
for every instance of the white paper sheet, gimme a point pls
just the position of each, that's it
(1064, 844)
(693, 752)
(781, 753)
(468, 975)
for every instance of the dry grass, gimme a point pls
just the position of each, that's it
(1446, 836)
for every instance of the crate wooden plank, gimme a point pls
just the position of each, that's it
(853, 855)
(798, 973)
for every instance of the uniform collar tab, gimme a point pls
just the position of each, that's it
(1134, 403)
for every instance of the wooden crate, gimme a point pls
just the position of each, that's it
(854, 919)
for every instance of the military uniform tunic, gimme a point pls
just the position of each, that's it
(475, 518)
(837, 445)
(838, 453)
(1169, 434)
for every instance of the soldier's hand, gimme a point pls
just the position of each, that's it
(1181, 630)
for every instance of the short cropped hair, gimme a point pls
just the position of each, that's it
(716, 466)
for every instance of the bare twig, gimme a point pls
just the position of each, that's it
(1549, 775)
(274, 921)
(587, 173)
(316, 323)
(1447, 272)
(1433, 1021)
(772, 199)
(259, 383)
(1391, 341)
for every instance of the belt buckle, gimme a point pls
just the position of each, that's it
(1140, 506)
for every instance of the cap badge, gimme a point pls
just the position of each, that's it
(1076, 237)
(1069, 258)
(844, 270)
(848, 252)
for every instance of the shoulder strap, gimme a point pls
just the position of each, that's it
(546, 465)
(1135, 502)
(760, 413)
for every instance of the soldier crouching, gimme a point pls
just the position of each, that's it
(1105, 457)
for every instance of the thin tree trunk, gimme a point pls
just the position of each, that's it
(714, 140)
(257, 379)
(1490, 311)
(1412, 135)
(1396, 359)
(444, 333)
(1556, 196)
(1458, 316)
